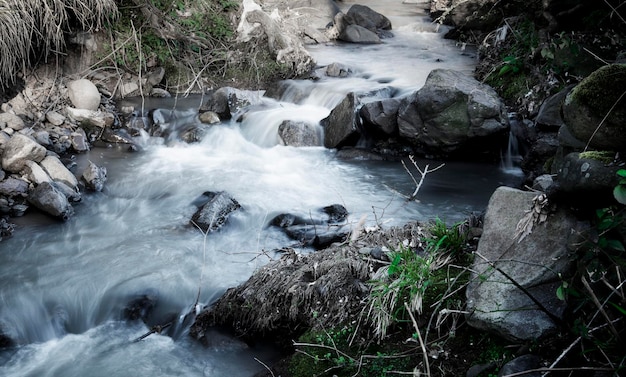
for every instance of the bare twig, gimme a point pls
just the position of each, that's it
(266, 367)
(419, 338)
(423, 172)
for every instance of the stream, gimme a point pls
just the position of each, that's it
(64, 286)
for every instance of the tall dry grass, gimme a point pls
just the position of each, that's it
(35, 28)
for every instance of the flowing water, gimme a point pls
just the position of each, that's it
(63, 287)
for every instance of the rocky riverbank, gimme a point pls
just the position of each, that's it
(344, 306)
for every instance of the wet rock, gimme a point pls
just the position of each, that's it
(58, 172)
(380, 117)
(72, 195)
(494, 302)
(42, 137)
(212, 215)
(140, 308)
(218, 102)
(452, 111)
(595, 110)
(341, 125)
(588, 178)
(337, 70)
(50, 200)
(94, 177)
(358, 34)
(319, 229)
(6, 231)
(209, 117)
(83, 94)
(13, 187)
(298, 134)
(79, 141)
(21, 148)
(368, 18)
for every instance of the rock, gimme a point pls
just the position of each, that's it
(89, 119)
(50, 200)
(213, 214)
(55, 118)
(160, 93)
(549, 116)
(12, 121)
(587, 177)
(522, 364)
(537, 160)
(72, 195)
(21, 148)
(595, 110)
(450, 112)
(35, 173)
(366, 17)
(58, 172)
(78, 139)
(94, 177)
(140, 307)
(380, 118)
(337, 70)
(543, 183)
(42, 137)
(6, 230)
(341, 125)
(83, 94)
(219, 101)
(358, 34)
(314, 229)
(494, 303)
(128, 89)
(13, 187)
(298, 134)
(463, 14)
(209, 117)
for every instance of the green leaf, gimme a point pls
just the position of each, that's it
(622, 173)
(615, 245)
(619, 192)
(560, 293)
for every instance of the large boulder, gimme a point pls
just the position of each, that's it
(380, 118)
(214, 209)
(19, 149)
(595, 110)
(532, 259)
(83, 94)
(451, 111)
(358, 34)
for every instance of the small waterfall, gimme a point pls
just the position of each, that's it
(511, 159)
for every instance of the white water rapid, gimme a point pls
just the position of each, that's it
(63, 286)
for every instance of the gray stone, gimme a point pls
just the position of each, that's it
(341, 125)
(42, 137)
(209, 117)
(380, 117)
(89, 119)
(451, 111)
(55, 118)
(366, 17)
(94, 177)
(13, 187)
(358, 34)
(78, 139)
(83, 94)
(12, 121)
(337, 70)
(543, 182)
(58, 172)
(549, 115)
(35, 173)
(50, 200)
(72, 195)
(18, 149)
(578, 174)
(215, 212)
(298, 134)
(535, 262)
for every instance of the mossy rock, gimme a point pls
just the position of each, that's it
(595, 110)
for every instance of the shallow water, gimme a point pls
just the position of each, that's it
(63, 287)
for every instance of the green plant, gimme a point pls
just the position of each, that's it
(619, 192)
(447, 239)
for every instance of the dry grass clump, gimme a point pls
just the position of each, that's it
(30, 29)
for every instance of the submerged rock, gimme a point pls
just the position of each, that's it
(318, 230)
(50, 200)
(298, 134)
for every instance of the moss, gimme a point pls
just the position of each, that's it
(605, 157)
(601, 89)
